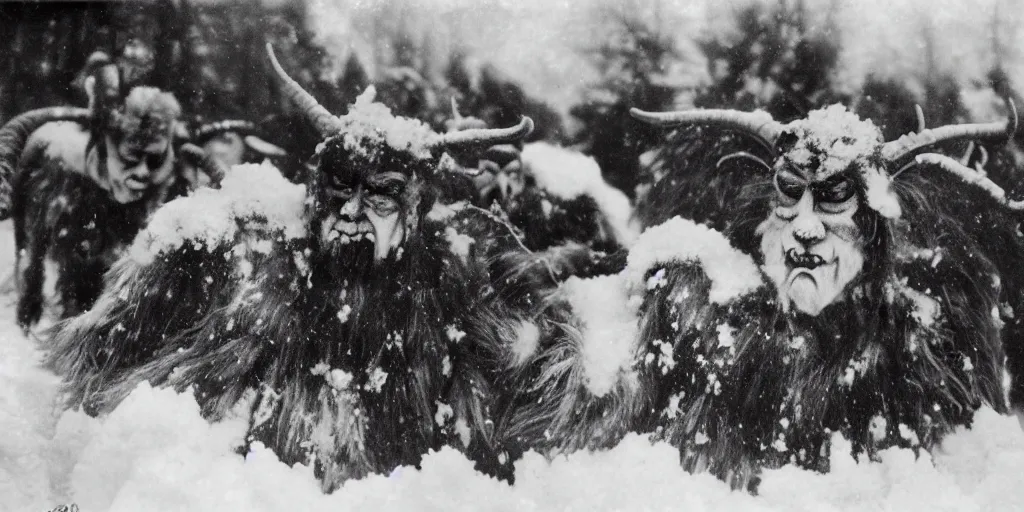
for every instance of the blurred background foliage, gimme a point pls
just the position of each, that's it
(778, 55)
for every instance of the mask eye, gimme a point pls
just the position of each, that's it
(789, 186)
(338, 188)
(381, 204)
(835, 192)
(154, 161)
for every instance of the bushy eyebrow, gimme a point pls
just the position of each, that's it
(833, 180)
(789, 174)
(387, 179)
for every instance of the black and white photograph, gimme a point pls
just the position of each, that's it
(511, 255)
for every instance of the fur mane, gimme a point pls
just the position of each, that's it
(338, 369)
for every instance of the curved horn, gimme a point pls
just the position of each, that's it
(921, 126)
(485, 136)
(969, 176)
(326, 124)
(759, 124)
(906, 145)
(205, 162)
(15, 134)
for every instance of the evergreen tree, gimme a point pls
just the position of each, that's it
(775, 63)
(635, 66)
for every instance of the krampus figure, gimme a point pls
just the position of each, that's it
(83, 187)
(361, 320)
(856, 287)
(553, 195)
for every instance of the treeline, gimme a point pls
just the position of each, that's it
(211, 55)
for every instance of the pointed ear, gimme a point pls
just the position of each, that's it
(90, 90)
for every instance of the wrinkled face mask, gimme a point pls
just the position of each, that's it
(812, 247)
(501, 178)
(135, 167)
(366, 204)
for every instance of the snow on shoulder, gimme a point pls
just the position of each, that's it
(608, 330)
(368, 120)
(732, 273)
(256, 196)
(568, 174)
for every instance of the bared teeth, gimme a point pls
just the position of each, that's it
(370, 237)
(805, 260)
(345, 239)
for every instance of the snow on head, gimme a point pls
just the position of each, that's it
(368, 120)
(254, 194)
(608, 328)
(732, 273)
(835, 137)
(568, 174)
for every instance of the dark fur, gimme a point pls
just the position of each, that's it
(577, 220)
(61, 213)
(233, 321)
(953, 244)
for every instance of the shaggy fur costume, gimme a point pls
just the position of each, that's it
(734, 198)
(910, 353)
(352, 365)
(61, 213)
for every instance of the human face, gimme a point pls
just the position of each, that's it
(812, 247)
(135, 167)
(366, 209)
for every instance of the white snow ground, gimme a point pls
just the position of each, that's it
(156, 453)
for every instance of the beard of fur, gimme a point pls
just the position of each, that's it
(281, 321)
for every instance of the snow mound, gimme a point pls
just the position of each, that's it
(155, 453)
(836, 136)
(567, 174)
(973, 470)
(609, 328)
(256, 194)
(367, 120)
(732, 273)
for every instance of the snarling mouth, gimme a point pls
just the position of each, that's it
(348, 232)
(803, 260)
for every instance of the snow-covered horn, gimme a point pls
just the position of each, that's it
(907, 145)
(326, 124)
(15, 134)
(485, 136)
(758, 124)
(205, 162)
(230, 125)
(969, 176)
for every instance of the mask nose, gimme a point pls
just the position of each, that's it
(353, 208)
(807, 226)
(140, 171)
(504, 185)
